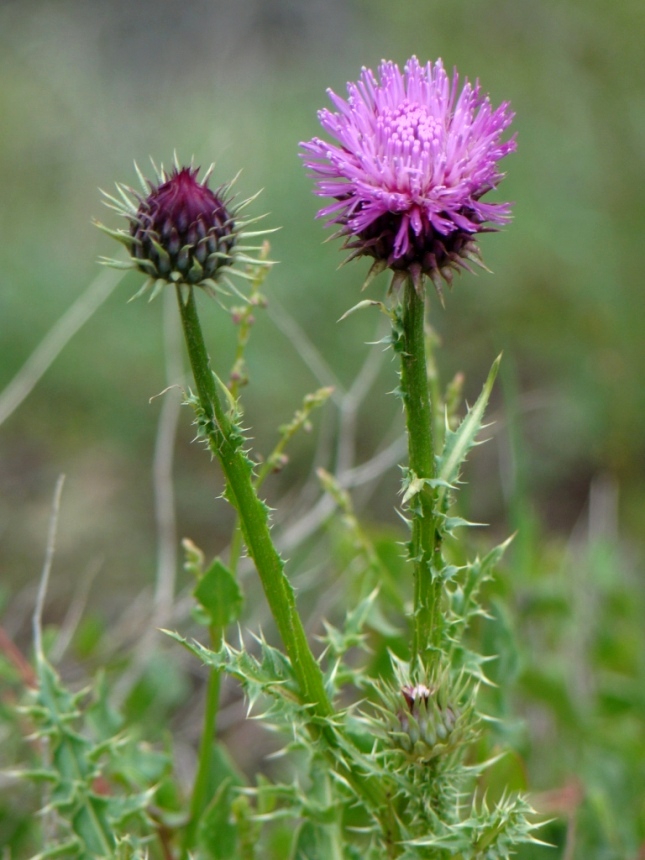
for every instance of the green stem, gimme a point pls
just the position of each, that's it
(235, 550)
(205, 753)
(227, 444)
(425, 548)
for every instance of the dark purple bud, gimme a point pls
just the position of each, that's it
(183, 229)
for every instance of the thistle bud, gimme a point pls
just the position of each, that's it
(424, 722)
(431, 720)
(181, 231)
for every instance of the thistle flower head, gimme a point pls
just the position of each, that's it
(181, 231)
(412, 161)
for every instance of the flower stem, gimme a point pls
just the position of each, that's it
(205, 753)
(226, 443)
(425, 548)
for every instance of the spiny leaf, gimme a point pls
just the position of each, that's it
(272, 674)
(459, 442)
(366, 303)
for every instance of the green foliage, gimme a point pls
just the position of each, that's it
(217, 591)
(438, 758)
(457, 444)
(488, 833)
(99, 784)
(580, 671)
(225, 819)
(415, 729)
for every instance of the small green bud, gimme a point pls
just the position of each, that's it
(425, 722)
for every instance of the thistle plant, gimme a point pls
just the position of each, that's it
(412, 159)
(384, 753)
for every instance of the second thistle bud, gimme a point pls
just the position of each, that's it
(425, 721)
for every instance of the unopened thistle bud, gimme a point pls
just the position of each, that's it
(428, 719)
(425, 721)
(181, 231)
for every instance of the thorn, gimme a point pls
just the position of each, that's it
(145, 184)
(447, 274)
(376, 268)
(416, 275)
(148, 283)
(158, 170)
(398, 280)
(436, 280)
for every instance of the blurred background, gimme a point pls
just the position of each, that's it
(86, 88)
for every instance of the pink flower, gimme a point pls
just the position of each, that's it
(412, 161)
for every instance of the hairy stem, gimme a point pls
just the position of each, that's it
(425, 549)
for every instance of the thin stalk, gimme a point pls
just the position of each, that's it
(425, 548)
(226, 443)
(205, 753)
(273, 461)
(235, 550)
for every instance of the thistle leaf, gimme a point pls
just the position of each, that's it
(220, 595)
(366, 303)
(459, 442)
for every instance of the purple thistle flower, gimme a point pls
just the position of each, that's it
(412, 162)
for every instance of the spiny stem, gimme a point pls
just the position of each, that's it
(424, 547)
(225, 443)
